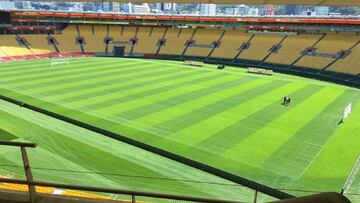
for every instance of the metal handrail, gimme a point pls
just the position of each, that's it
(319, 198)
(114, 191)
(26, 164)
(32, 190)
(326, 197)
(18, 144)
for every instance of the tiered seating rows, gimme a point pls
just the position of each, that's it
(290, 49)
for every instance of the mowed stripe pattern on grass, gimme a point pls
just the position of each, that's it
(225, 118)
(71, 155)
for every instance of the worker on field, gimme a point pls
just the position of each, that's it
(286, 100)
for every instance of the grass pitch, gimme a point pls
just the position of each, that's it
(226, 118)
(72, 155)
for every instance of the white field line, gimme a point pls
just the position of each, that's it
(352, 175)
(302, 173)
(317, 154)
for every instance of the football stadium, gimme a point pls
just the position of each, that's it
(180, 101)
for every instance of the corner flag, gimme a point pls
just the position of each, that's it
(347, 111)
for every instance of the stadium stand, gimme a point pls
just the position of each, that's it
(67, 40)
(291, 48)
(350, 64)
(93, 32)
(115, 32)
(230, 44)
(123, 35)
(175, 41)
(10, 47)
(260, 46)
(202, 41)
(314, 51)
(326, 49)
(333, 43)
(314, 62)
(148, 39)
(39, 44)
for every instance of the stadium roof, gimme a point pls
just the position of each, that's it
(284, 2)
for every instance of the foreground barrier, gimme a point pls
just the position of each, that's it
(328, 197)
(30, 183)
(135, 196)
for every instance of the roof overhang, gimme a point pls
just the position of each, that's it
(33, 16)
(278, 2)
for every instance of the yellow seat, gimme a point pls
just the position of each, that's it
(203, 37)
(230, 44)
(350, 64)
(39, 44)
(67, 40)
(292, 48)
(260, 46)
(121, 34)
(330, 44)
(175, 41)
(333, 43)
(148, 38)
(94, 37)
(10, 47)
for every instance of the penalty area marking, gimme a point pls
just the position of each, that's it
(349, 181)
(315, 157)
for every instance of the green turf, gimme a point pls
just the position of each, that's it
(69, 154)
(6, 136)
(226, 118)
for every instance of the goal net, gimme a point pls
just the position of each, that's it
(60, 61)
(347, 111)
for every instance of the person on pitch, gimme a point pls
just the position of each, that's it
(286, 100)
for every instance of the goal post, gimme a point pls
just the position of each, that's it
(347, 111)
